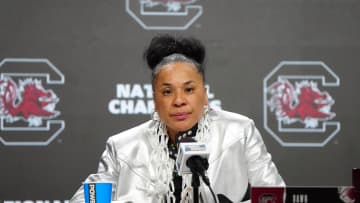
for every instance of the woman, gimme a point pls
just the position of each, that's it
(140, 161)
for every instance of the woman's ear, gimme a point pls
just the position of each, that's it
(206, 102)
(154, 99)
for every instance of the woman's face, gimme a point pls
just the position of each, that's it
(179, 96)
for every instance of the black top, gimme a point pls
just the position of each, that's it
(173, 150)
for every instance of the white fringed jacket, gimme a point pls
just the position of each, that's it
(238, 156)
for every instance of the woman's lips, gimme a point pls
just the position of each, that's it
(180, 116)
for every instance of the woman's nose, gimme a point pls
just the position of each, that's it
(179, 99)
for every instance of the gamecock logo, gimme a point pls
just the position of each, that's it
(27, 108)
(297, 111)
(164, 14)
(305, 103)
(29, 102)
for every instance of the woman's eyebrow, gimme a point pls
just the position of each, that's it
(166, 84)
(188, 82)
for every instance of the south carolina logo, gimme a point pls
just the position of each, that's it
(29, 102)
(164, 14)
(27, 107)
(297, 108)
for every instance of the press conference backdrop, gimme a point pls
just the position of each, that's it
(84, 59)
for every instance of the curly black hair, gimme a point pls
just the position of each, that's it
(162, 46)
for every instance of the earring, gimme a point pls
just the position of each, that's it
(155, 116)
(206, 108)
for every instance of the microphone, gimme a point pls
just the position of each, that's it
(192, 157)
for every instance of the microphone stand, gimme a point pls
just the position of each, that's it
(197, 166)
(195, 183)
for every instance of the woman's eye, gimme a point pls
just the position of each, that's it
(166, 92)
(189, 90)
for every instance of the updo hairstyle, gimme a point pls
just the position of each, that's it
(165, 49)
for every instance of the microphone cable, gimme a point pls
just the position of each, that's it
(208, 184)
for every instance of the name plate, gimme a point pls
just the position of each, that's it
(332, 194)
